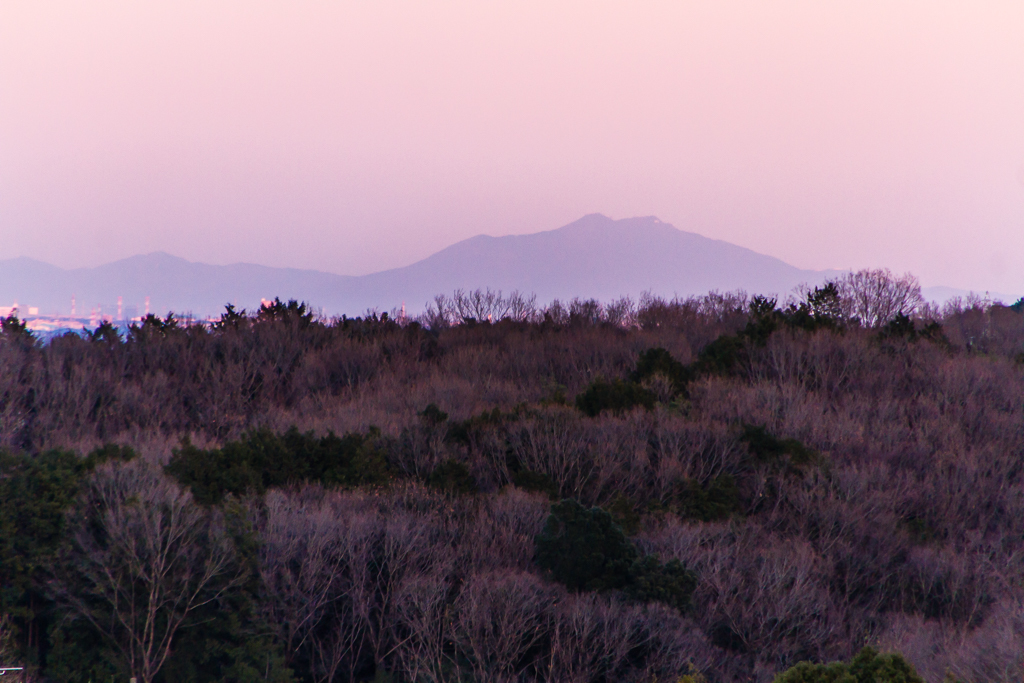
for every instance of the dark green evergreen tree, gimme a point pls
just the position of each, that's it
(584, 548)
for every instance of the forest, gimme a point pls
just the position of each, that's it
(706, 489)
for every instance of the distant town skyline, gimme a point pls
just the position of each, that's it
(355, 137)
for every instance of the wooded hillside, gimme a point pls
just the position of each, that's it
(720, 487)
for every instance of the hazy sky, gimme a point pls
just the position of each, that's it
(357, 136)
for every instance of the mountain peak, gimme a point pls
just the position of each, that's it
(594, 221)
(593, 257)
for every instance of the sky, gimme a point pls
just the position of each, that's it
(355, 136)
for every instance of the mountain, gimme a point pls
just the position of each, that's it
(171, 283)
(593, 257)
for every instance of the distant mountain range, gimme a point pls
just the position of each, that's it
(594, 257)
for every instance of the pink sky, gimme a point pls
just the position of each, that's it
(357, 136)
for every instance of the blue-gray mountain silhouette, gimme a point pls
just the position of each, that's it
(594, 257)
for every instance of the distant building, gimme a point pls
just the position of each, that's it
(15, 309)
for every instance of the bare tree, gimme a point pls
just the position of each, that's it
(500, 618)
(595, 638)
(501, 534)
(435, 316)
(765, 595)
(621, 454)
(306, 563)
(686, 449)
(580, 625)
(337, 569)
(877, 296)
(412, 545)
(557, 444)
(480, 305)
(621, 312)
(586, 311)
(143, 558)
(522, 308)
(556, 312)
(420, 628)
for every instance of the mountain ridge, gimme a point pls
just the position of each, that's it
(593, 257)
